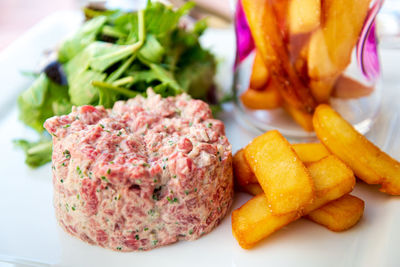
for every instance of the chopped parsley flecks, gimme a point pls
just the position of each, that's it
(195, 190)
(67, 125)
(77, 196)
(172, 200)
(119, 133)
(137, 237)
(78, 170)
(151, 212)
(104, 179)
(101, 125)
(73, 208)
(190, 123)
(108, 171)
(186, 192)
(63, 164)
(145, 164)
(138, 181)
(62, 181)
(155, 242)
(190, 231)
(145, 229)
(155, 180)
(67, 154)
(209, 125)
(220, 158)
(119, 248)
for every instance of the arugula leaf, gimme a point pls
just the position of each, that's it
(37, 153)
(86, 34)
(121, 69)
(81, 89)
(166, 77)
(106, 54)
(152, 50)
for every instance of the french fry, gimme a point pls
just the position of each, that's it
(368, 162)
(245, 179)
(241, 170)
(331, 45)
(269, 98)
(320, 64)
(347, 88)
(283, 177)
(252, 189)
(304, 15)
(259, 74)
(269, 42)
(310, 152)
(340, 214)
(304, 119)
(322, 89)
(254, 221)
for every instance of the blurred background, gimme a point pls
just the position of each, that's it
(17, 16)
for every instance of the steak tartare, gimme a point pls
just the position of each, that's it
(147, 173)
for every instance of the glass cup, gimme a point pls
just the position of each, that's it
(328, 55)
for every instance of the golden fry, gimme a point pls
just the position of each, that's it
(283, 177)
(269, 98)
(269, 42)
(241, 170)
(304, 15)
(254, 221)
(311, 152)
(340, 214)
(322, 89)
(368, 162)
(252, 189)
(259, 74)
(304, 119)
(331, 46)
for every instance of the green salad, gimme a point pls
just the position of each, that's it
(117, 55)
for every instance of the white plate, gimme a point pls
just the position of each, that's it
(29, 233)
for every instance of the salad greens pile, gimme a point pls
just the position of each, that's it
(117, 55)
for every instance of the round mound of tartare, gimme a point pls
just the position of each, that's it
(147, 173)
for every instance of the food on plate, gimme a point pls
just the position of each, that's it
(304, 119)
(259, 74)
(304, 15)
(117, 55)
(368, 162)
(307, 153)
(241, 170)
(340, 214)
(310, 152)
(322, 89)
(254, 221)
(306, 45)
(285, 180)
(268, 98)
(270, 44)
(147, 173)
(348, 88)
(252, 189)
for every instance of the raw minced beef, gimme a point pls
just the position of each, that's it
(147, 173)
